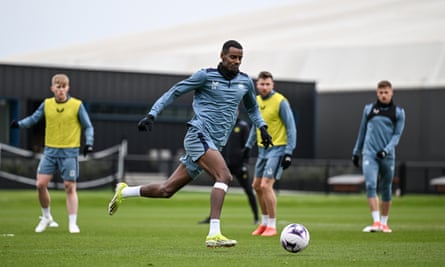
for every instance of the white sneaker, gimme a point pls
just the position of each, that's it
(44, 222)
(74, 229)
(375, 227)
(53, 223)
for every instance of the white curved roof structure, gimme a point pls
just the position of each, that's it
(341, 45)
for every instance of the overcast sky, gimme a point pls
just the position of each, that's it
(31, 26)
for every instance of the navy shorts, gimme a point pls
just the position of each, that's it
(195, 144)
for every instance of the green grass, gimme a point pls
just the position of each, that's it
(161, 232)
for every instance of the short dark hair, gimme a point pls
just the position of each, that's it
(265, 75)
(230, 43)
(384, 83)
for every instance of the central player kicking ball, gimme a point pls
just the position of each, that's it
(217, 95)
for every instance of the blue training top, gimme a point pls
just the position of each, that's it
(215, 102)
(379, 133)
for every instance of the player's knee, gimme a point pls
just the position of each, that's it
(371, 187)
(40, 185)
(386, 193)
(224, 178)
(220, 185)
(70, 186)
(265, 187)
(386, 197)
(256, 186)
(229, 179)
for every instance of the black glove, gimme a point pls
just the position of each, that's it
(266, 139)
(14, 124)
(381, 154)
(87, 149)
(355, 161)
(246, 154)
(286, 162)
(146, 123)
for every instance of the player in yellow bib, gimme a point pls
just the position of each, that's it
(65, 117)
(277, 114)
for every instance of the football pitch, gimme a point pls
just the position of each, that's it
(165, 232)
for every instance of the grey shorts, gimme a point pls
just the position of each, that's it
(195, 144)
(269, 168)
(68, 167)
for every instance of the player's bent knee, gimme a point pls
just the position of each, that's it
(266, 187)
(256, 187)
(226, 179)
(220, 185)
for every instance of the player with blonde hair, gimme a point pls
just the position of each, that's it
(65, 118)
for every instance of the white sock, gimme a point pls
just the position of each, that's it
(46, 212)
(264, 219)
(384, 220)
(131, 191)
(73, 219)
(375, 216)
(272, 222)
(214, 227)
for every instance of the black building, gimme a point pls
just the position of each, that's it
(327, 122)
(117, 100)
